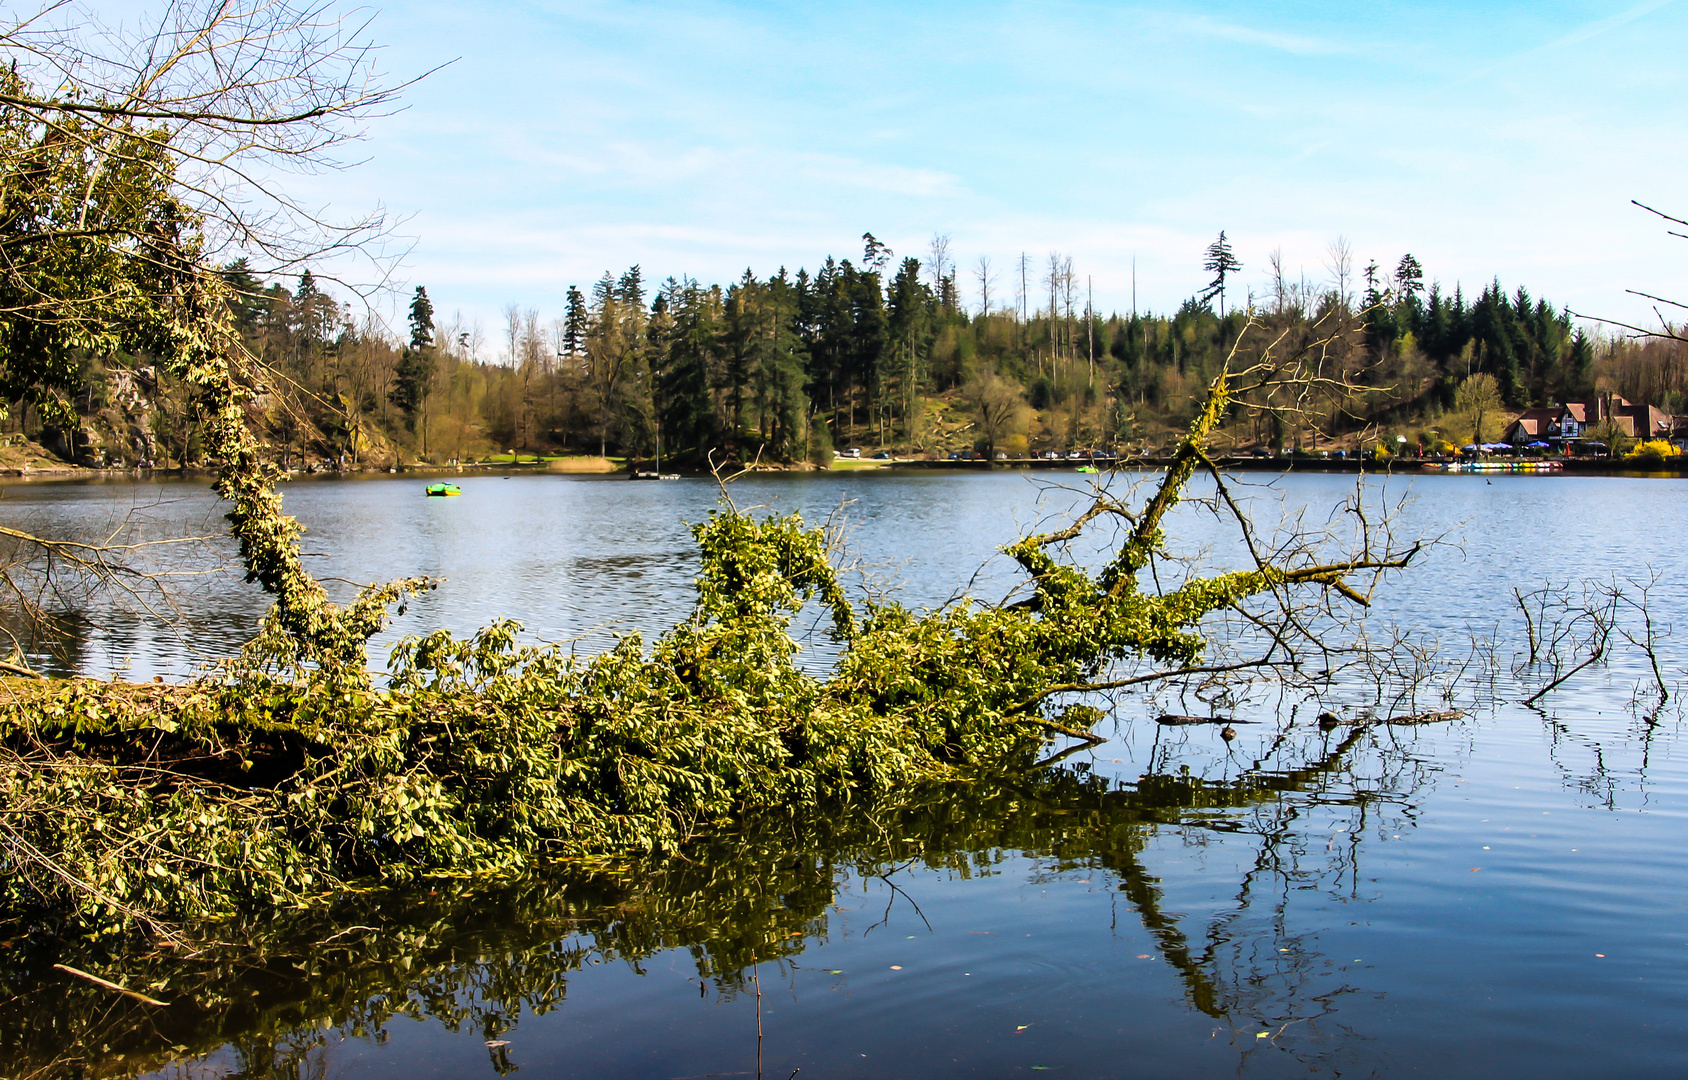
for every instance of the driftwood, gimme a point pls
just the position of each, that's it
(1427, 717)
(1327, 721)
(1174, 720)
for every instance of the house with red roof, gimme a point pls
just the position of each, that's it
(1573, 422)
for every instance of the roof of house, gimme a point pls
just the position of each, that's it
(1534, 422)
(1643, 421)
(1632, 421)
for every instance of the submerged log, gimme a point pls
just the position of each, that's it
(1175, 720)
(1427, 717)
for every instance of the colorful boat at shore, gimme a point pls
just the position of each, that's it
(1493, 466)
(443, 489)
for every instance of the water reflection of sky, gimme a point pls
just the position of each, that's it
(570, 556)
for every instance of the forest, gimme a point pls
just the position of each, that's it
(884, 354)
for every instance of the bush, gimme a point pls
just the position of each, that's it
(1653, 452)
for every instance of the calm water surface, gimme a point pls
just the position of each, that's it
(1503, 895)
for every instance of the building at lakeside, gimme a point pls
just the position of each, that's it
(1574, 422)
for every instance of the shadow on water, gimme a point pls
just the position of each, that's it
(270, 996)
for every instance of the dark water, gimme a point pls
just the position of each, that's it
(1507, 894)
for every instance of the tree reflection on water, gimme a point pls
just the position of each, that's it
(267, 996)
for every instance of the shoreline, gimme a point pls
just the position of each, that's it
(1575, 466)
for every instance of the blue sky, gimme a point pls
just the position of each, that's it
(706, 138)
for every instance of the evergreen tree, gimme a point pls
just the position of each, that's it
(1220, 262)
(630, 290)
(875, 256)
(247, 296)
(317, 311)
(1409, 276)
(1579, 375)
(910, 326)
(415, 367)
(576, 321)
(688, 378)
(865, 345)
(421, 320)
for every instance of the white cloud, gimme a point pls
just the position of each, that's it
(721, 136)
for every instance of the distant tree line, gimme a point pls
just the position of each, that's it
(883, 352)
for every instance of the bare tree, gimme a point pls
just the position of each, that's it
(1025, 285)
(986, 278)
(512, 334)
(940, 264)
(1339, 262)
(1479, 397)
(1001, 406)
(241, 95)
(130, 165)
(1069, 288)
(1280, 290)
(1052, 283)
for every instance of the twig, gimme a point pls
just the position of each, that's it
(109, 985)
(756, 974)
(1153, 676)
(1543, 692)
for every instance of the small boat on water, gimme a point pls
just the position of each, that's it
(442, 489)
(658, 474)
(1087, 468)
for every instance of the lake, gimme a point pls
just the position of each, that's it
(1507, 893)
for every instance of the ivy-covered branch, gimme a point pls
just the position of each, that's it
(288, 777)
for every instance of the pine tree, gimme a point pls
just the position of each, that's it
(1580, 368)
(875, 256)
(1409, 276)
(415, 367)
(575, 323)
(421, 320)
(910, 330)
(687, 380)
(1220, 261)
(630, 290)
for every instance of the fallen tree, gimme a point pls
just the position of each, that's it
(289, 774)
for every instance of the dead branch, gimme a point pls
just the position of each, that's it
(109, 985)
